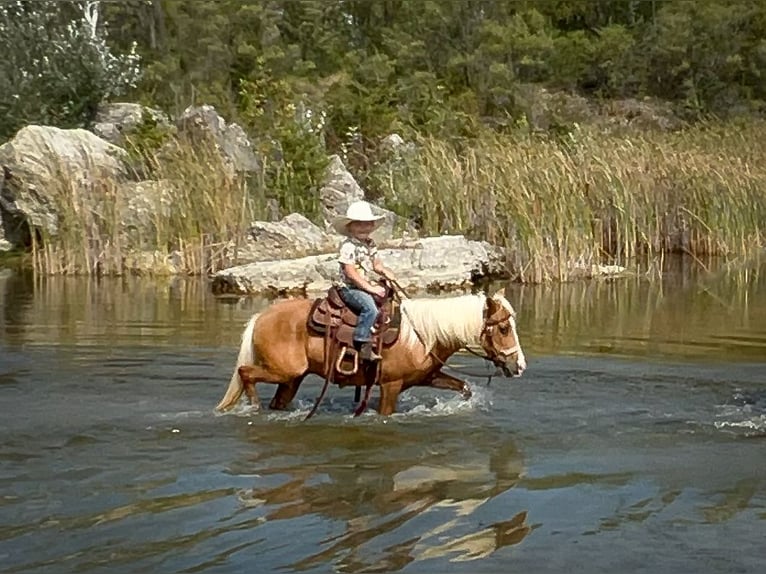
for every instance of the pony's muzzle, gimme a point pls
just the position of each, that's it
(513, 363)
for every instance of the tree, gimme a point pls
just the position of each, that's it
(56, 66)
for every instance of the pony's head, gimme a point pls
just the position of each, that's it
(499, 338)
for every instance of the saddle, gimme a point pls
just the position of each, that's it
(331, 318)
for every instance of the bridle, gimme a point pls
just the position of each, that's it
(486, 334)
(494, 356)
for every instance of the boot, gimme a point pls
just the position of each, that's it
(367, 353)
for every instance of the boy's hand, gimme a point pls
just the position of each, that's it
(379, 290)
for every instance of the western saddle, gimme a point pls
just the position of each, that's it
(332, 319)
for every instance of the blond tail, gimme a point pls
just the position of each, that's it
(246, 357)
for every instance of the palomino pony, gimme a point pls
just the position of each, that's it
(278, 348)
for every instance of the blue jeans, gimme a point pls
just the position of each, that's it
(362, 303)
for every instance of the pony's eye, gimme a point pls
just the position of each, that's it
(504, 329)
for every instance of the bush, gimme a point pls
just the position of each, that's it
(56, 65)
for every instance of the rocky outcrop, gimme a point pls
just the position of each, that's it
(291, 237)
(431, 264)
(340, 189)
(142, 203)
(41, 163)
(204, 124)
(47, 169)
(50, 174)
(546, 110)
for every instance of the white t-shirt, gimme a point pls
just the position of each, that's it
(360, 253)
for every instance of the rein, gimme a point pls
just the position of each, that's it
(399, 292)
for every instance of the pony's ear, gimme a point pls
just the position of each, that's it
(492, 306)
(500, 299)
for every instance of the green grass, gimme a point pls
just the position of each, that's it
(558, 205)
(190, 222)
(591, 198)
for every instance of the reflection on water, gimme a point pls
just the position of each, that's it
(377, 482)
(129, 310)
(633, 443)
(718, 317)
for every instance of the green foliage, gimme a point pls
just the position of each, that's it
(56, 66)
(307, 78)
(292, 147)
(144, 142)
(438, 67)
(560, 205)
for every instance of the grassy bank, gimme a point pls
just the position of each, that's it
(189, 222)
(558, 204)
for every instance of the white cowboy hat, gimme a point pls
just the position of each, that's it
(357, 211)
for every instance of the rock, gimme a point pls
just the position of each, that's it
(444, 262)
(41, 163)
(293, 236)
(143, 201)
(113, 120)
(5, 245)
(392, 142)
(202, 123)
(643, 114)
(582, 270)
(546, 110)
(430, 264)
(304, 274)
(152, 263)
(607, 270)
(341, 189)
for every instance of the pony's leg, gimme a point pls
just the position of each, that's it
(251, 374)
(389, 393)
(285, 394)
(444, 381)
(252, 395)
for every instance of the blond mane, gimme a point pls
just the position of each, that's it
(451, 321)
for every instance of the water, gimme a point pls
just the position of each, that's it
(635, 442)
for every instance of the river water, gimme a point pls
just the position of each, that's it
(635, 442)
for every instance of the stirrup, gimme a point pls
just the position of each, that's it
(342, 354)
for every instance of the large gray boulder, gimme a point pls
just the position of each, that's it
(143, 203)
(41, 163)
(338, 191)
(291, 237)
(341, 189)
(428, 264)
(203, 123)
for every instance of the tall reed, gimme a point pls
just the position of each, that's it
(187, 220)
(560, 205)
